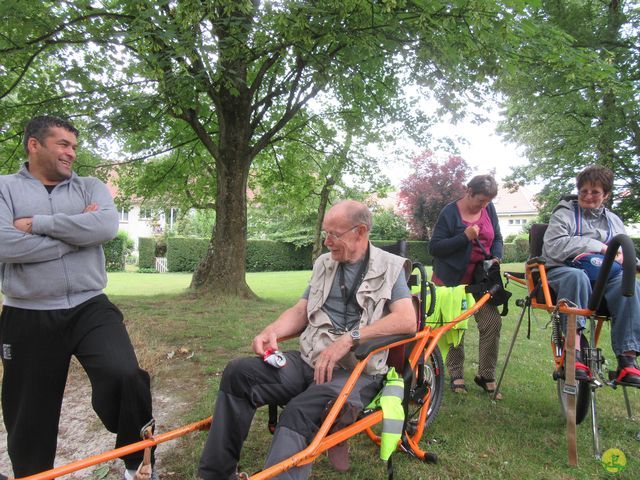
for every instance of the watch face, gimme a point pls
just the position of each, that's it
(355, 335)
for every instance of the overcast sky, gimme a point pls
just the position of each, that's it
(479, 145)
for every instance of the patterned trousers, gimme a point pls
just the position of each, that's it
(489, 323)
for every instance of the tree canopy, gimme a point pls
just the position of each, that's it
(196, 93)
(576, 105)
(432, 184)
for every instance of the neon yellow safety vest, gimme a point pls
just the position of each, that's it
(390, 400)
(450, 303)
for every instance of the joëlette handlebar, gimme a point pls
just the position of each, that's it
(628, 269)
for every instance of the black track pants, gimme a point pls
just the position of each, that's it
(37, 346)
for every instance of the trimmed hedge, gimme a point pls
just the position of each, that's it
(184, 253)
(518, 251)
(417, 250)
(115, 252)
(270, 256)
(146, 252)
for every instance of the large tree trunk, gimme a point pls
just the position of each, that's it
(223, 269)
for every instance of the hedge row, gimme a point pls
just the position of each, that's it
(184, 254)
(146, 252)
(517, 251)
(115, 252)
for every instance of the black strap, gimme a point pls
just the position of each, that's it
(349, 294)
(484, 252)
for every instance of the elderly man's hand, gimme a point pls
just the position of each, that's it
(264, 340)
(329, 357)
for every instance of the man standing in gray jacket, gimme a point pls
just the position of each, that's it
(52, 268)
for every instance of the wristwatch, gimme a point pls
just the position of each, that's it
(355, 338)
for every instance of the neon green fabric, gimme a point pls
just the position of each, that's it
(450, 303)
(390, 400)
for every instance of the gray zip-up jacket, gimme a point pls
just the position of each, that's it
(562, 241)
(61, 263)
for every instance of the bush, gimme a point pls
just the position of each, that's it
(184, 253)
(116, 251)
(146, 253)
(270, 256)
(515, 252)
(417, 250)
(636, 243)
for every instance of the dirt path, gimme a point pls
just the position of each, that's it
(82, 434)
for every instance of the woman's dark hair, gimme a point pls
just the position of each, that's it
(38, 128)
(483, 185)
(596, 175)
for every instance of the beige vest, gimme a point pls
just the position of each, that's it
(372, 296)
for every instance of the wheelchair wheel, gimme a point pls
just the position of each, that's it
(583, 399)
(429, 386)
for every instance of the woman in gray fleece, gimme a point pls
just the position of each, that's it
(585, 226)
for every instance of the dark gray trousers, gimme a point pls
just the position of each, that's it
(248, 383)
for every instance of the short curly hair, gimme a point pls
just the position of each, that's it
(38, 128)
(596, 175)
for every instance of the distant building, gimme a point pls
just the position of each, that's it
(142, 222)
(515, 210)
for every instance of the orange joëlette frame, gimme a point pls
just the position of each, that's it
(425, 342)
(533, 266)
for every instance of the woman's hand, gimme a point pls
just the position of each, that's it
(618, 258)
(472, 232)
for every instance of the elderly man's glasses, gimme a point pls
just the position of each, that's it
(336, 236)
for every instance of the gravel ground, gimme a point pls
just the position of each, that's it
(82, 434)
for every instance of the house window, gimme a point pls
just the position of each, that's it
(146, 214)
(124, 215)
(511, 221)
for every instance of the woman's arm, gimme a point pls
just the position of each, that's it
(445, 239)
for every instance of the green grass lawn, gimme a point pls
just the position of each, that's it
(520, 437)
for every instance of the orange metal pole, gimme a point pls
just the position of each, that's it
(119, 452)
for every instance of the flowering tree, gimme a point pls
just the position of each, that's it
(432, 184)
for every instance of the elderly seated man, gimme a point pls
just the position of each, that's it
(357, 292)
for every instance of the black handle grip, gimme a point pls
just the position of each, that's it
(628, 269)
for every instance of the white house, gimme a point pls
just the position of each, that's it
(515, 210)
(141, 222)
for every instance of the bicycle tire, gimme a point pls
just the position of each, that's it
(583, 399)
(429, 383)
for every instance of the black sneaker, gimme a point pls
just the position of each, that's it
(583, 374)
(628, 371)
